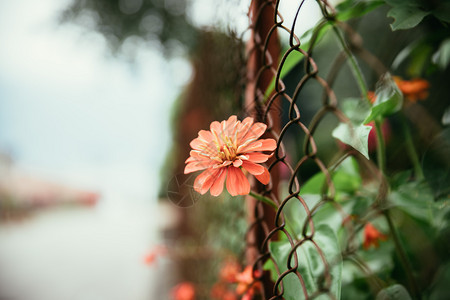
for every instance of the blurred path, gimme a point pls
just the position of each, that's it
(81, 254)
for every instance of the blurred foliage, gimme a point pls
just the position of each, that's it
(414, 46)
(120, 21)
(409, 13)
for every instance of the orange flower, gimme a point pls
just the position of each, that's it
(372, 236)
(246, 282)
(224, 151)
(229, 271)
(183, 291)
(413, 90)
(220, 291)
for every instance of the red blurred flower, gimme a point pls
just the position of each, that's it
(225, 151)
(372, 236)
(386, 131)
(229, 271)
(220, 291)
(183, 291)
(247, 286)
(414, 89)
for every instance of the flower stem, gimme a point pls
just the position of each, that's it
(353, 64)
(263, 199)
(411, 150)
(381, 151)
(402, 256)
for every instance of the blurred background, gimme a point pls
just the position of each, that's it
(87, 90)
(93, 97)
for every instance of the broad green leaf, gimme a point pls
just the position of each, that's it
(442, 55)
(314, 185)
(310, 265)
(270, 266)
(357, 110)
(291, 284)
(355, 136)
(295, 213)
(406, 16)
(416, 199)
(389, 99)
(345, 179)
(350, 9)
(394, 292)
(327, 213)
(402, 2)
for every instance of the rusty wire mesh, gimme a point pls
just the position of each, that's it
(285, 108)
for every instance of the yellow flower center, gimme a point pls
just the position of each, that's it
(227, 152)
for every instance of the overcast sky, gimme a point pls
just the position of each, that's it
(69, 113)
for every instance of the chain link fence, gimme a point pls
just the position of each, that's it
(282, 247)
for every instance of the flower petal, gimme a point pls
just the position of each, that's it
(217, 187)
(243, 128)
(196, 155)
(237, 163)
(204, 181)
(257, 157)
(237, 183)
(255, 131)
(264, 178)
(253, 168)
(198, 165)
(215, 126)
(206, 135)
(259, 145)
(229, 126)
(208, 148)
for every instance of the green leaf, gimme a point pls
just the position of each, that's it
(416, 199)
(270, 266)
(350, 9)
(357, 110)
(355, 136)
(394, 292)
(442, 56)
(291, 284)
(314, 185)
(345, 179)
(406, 16)
(310, 265)
(389, 99)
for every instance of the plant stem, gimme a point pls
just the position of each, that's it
(263, 199)
(402, 256)
(411, 150)
(381, 151)
(353, 64)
